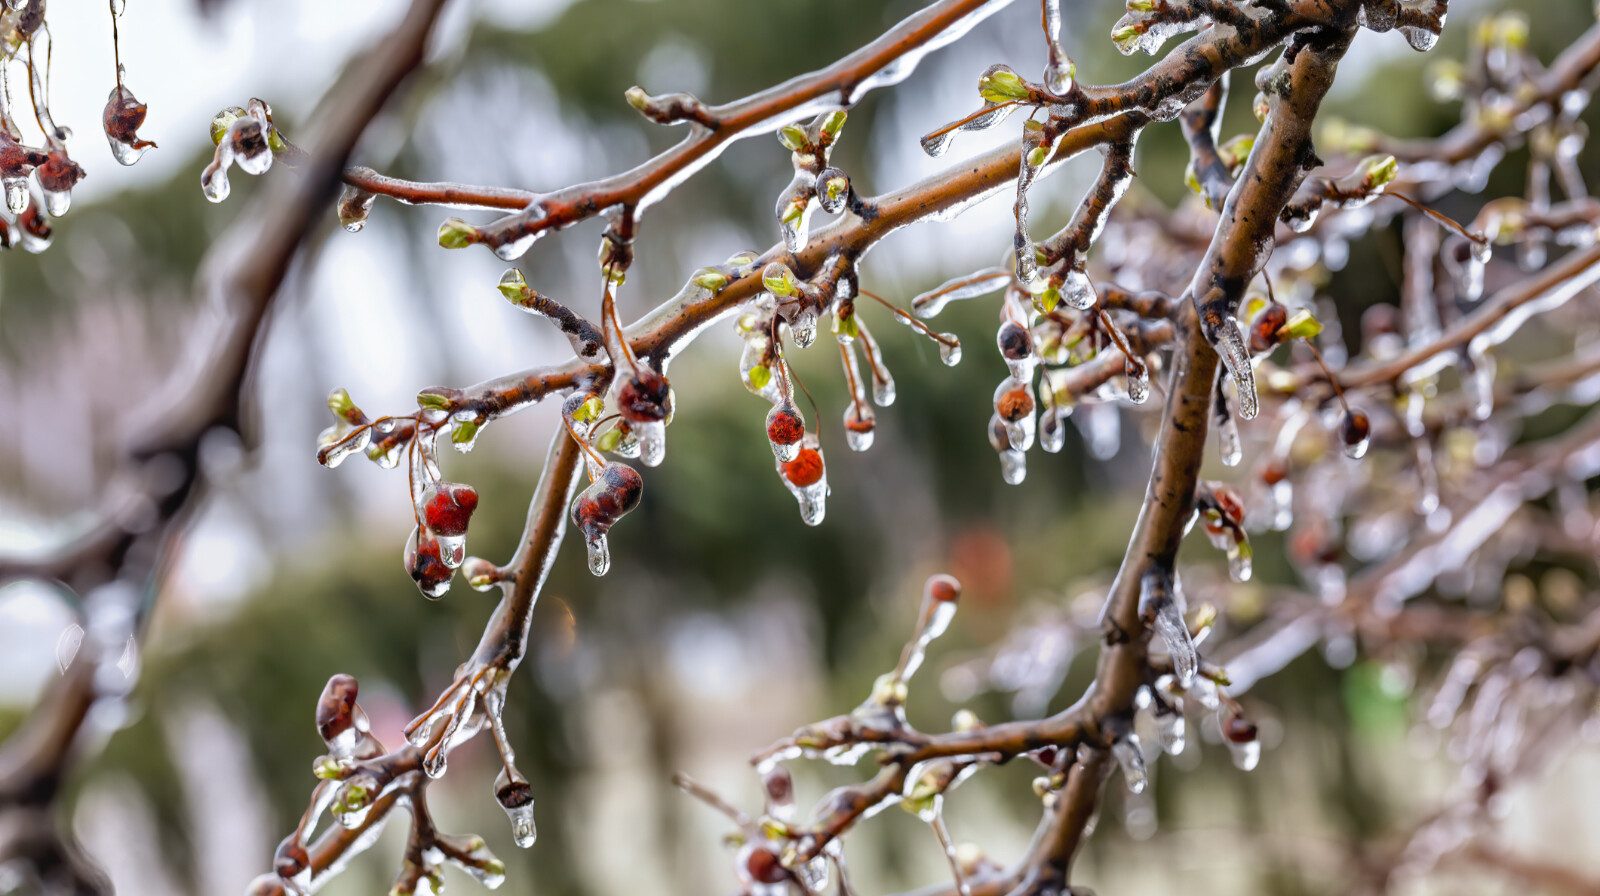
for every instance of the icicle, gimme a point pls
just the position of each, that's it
(803, 328)
(1229, 447)
(355, 204)
(1222, 331)
(1161, 604)
(1355, 433)
(939, 597)
(1013, 405)
(935, 819)
(1131, 759)
(785, 430)
(1013, 462)
(1239, 734)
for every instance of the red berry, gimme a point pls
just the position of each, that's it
(943, 588)
(806, 468)
(645, 397)
(1229, 502)
(123, 116)
(1014, 405)
(447, 508)
(763, 866)
(784, 426)
(336, 708)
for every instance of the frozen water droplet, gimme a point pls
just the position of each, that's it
(599, 555)
(67, 646)
(523, 831)
(56, 202)
(515, 247)
(452, 549)
(16, 194)
(883, 393)
(1480, 383)
(214, 182)
(652, 435)
(355, 204)
(116, 7)
(949, 349)
(436, 762)
(1013, 466)
(1139, 385)
(1246, 756)
(1204, 691)
(936, 143)
(1171, 730)
(1228, 444)
(129, 659)
(803, 329)
(1131, 759)
(1420, 39)
(1077, 290)
(1239, 563)
(1052, 433)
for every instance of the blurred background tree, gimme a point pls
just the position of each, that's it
(725, 621)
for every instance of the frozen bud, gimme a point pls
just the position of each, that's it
(448, 507)
(942, 588)
(759, 864)
(777, 279)
(1377, 172)
(793, 137)
(336, 708)
(455, 233)
(1266, 326)
(833, 188)
(645, 397)
(1354, 431)
(481, 574)
(965, 720)
(355, 204)
(426, 564)
(56, 177)
(267, 885)
(1001, 84)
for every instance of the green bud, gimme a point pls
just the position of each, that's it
(275, 141)
(1190, 178)
(609, 440)
(636, 97)
(1236, 150)
(1378, 171)
(326, 768)
(779, 280)
(340, 403)
(511, 285)
(455, 233)
(1002, 85)
(224, 120)
(832, 124)
(1127, 36)
(889, 690)
(712, 280)
(433, 401)
(760, 376)
(846, 325)
(1302, 325)
(792, 137)
(465, 432)
(589, 410)
(1141, 5)
(1048, 300)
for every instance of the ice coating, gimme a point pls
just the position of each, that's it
(1130, 758)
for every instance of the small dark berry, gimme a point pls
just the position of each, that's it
(1264, 329)
(1014, 342)
(1238, 729)
(336, 708)
(426, 566)
(763, 866)
(1354, 427)
(645, 397)
(943, 588)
